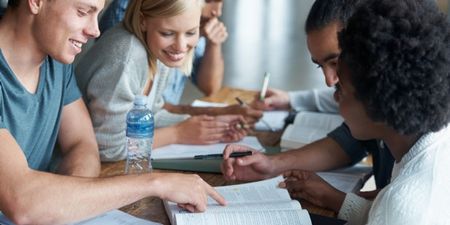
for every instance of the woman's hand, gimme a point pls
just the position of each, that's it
(211, 129)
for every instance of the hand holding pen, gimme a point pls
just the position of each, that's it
(256, 166)
(275, 99)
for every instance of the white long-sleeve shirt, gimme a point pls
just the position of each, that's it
(419, 192)
(316, 100)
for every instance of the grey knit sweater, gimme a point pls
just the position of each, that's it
(111, 73)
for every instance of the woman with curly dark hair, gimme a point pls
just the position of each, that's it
(394, 85)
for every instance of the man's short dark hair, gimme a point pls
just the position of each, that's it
(398, 55)
(324, 12)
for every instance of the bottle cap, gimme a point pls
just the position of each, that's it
(140, 100)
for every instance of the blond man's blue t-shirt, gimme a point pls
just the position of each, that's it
(33, 119)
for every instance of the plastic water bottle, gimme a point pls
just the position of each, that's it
(140, 128)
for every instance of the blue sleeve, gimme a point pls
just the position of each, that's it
(113, 15)
(2, 125)
(355, 149)
(198, 56)
(71, 90)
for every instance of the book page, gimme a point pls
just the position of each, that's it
(260, 191)
(276, 217)
(347, 183)
(245, 207)
(309, 127)
(178, 151)
(326, 121)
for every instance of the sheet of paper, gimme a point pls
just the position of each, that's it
(176, 151)
(114, 217)
(271, 121)
(200, 103)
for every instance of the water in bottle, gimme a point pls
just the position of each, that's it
(139, 135)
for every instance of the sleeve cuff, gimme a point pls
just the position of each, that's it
(355, 209)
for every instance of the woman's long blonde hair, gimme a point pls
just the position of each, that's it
(139, 9)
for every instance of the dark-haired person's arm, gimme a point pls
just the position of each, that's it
(324, 154)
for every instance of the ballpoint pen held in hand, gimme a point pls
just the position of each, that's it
(265, 86)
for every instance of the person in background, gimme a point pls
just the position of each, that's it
(154, 38)
(208, 69)
(41, 106)
(339, 149)
(394, 85)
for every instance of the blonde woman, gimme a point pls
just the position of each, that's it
(136, 57)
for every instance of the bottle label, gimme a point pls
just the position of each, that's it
(139, 130)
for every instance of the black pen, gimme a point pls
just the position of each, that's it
(219, 156)
(242, 103)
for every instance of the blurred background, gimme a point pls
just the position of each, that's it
(268, 36)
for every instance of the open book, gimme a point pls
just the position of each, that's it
(259, 202)
(309, 127)
(349, 179)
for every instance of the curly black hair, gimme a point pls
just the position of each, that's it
(398, 54)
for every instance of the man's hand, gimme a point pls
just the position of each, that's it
(254, 167)
(188, 190)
